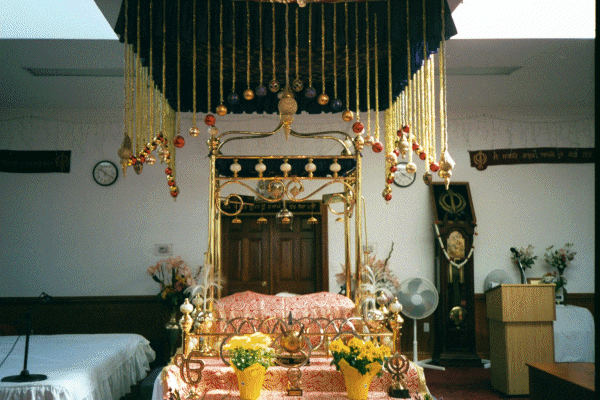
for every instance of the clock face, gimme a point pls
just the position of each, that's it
(403, 178)
(105, 173)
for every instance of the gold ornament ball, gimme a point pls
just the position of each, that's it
(323, 99)
(369, 140)
(248, 94)
(194, 131)
(221, 110)
(411, 167)
(347, 115)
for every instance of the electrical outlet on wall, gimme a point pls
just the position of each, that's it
(163, 249)
(426, 327)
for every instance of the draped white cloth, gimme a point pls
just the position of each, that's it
(79, 367)
(574, 335)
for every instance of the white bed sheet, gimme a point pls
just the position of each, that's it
(79, 367)
(574, 335)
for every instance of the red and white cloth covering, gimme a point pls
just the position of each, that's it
(319, 380)
(262, 306)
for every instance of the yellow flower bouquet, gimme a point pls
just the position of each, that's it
(358, 354)
(250, 356)
(250, 349)
(359, 362)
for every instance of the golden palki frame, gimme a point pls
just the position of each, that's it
(362, 60)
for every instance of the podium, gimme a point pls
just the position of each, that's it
(521, 331)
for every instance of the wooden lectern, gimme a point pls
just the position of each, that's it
(521, 331)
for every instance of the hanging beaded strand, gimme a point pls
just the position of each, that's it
(357, 127)
(209, 119)
(369, 137)
(336, 103)
(446, 162)
(248, 93)
(179, 141)
(233, 97)
(347, 115)
(125, 151)
(406, 133)
(221, 108)
(323, 97)
(274, 85)
(377, 145)
(194, 131)
(208, 57)
(297, 84)
(261, 89)
(310, 91)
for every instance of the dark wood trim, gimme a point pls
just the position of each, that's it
(147, 316)
(144, 315)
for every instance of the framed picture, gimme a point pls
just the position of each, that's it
(533, 281)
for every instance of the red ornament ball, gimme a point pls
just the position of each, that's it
(174, 191)
(400, 133)
(415, 146)
(133, 160)
(389, 181)
(406, 128)
(168, 171)
(210, 120)
(142, 159)
(388, 197)
(434, 167)
(179, 141)
(397, 151)
(377, 147)
(393, 168)
(423, 155)
(358, 127)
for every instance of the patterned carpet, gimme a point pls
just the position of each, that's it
(463, 384)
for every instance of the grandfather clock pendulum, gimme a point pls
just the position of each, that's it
(454, 225)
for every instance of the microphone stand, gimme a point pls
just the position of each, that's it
(25, 376)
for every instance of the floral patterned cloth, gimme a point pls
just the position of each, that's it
(319, 380)
(262, 306)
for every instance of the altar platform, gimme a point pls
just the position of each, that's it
(319, 380)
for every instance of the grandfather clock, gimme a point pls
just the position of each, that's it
(454, 225)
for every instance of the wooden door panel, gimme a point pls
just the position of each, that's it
(245, 252)
(269, 258)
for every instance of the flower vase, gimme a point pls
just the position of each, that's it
(357, 384)
(250, 381)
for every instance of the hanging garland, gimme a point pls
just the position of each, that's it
(457, 265)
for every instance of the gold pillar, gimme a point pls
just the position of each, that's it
(357, 220)
(348, 262)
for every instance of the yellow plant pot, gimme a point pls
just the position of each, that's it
(357, 384)
(250, 381)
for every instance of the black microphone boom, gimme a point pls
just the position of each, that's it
(25, 376)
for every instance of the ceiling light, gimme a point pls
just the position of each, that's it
(482, 70)
(100, 72)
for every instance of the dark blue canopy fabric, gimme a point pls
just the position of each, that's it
(422, 34)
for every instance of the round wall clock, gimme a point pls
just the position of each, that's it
(403, 178)
(105, 173)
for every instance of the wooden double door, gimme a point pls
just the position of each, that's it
(270, 258)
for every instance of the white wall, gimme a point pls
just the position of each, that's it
(67, 236)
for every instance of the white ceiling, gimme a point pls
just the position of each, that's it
(554, 73)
